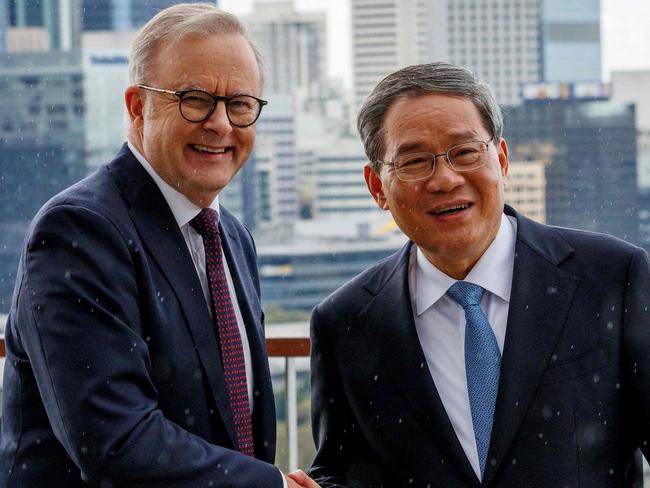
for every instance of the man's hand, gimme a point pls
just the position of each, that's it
(298, 479)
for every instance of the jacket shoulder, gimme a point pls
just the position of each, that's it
(353, 296)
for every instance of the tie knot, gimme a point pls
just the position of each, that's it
(206, 222)
(465, 293)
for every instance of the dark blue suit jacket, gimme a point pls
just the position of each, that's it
(113, 375)
(574, 393)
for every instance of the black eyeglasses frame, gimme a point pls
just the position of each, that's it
(215, 98)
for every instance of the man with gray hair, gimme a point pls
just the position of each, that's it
(135, 342)
(490, 350)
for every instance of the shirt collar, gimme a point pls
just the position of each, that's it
(182, 208)
(493, 271)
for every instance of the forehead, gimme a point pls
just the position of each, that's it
(430, 119)
(214, 63)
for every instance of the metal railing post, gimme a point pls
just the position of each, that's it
(292, 412)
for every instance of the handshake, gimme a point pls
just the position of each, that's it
(299, 478)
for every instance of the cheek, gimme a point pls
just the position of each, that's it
(404, 201)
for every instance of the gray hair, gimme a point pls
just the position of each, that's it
(176, 23)
(418, 80)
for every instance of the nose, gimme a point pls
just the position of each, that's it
(218, 122)
(444, 177)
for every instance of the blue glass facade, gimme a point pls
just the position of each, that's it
(591, 175)
(120, 15)
(36, 13)
(42, 144)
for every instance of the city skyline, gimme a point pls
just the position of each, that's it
(308, 158)
(625, 36)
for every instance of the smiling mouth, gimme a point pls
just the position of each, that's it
(211, 150)
(452, 210)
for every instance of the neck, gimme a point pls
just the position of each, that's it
(458, 270)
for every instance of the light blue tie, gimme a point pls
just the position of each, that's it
(482, 363)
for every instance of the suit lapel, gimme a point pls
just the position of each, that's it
(250, 308)
(162, 236)
(388, 323)
(539, 303)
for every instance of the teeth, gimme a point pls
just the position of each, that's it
(212, 150)
(451, 209)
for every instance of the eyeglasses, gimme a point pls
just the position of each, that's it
(421, 165)
(198, 105)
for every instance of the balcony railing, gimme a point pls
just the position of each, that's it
(291, 343)
(284, 341)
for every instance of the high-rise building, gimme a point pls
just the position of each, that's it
(251, 194)
(277, 124)
(292, 46)
(42, 145)
(571, 40)
(60, 19)
(632, 87)
(386, 36)
(340, 190)
(120, 15)
(590, 142)
(105, 70)
(499, 40)
(507, 43)
(526, 188)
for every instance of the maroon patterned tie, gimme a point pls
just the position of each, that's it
(223, 312)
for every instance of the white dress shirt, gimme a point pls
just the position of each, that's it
(440, 323)
(184, 211)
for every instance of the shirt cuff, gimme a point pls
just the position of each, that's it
(284, 480)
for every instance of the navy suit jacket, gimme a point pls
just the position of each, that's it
(113, 375)
(574, 393)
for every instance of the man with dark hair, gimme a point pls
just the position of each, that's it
(490, 350)
(135, 342)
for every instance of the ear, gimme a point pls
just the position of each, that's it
(502, 148)
(373, 180)
(134, 105)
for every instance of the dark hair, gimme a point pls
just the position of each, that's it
(418, 80)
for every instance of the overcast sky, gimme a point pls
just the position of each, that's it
(625, 32)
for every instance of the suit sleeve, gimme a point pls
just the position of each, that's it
(329, 412)
(79, 323)
(636, 340)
